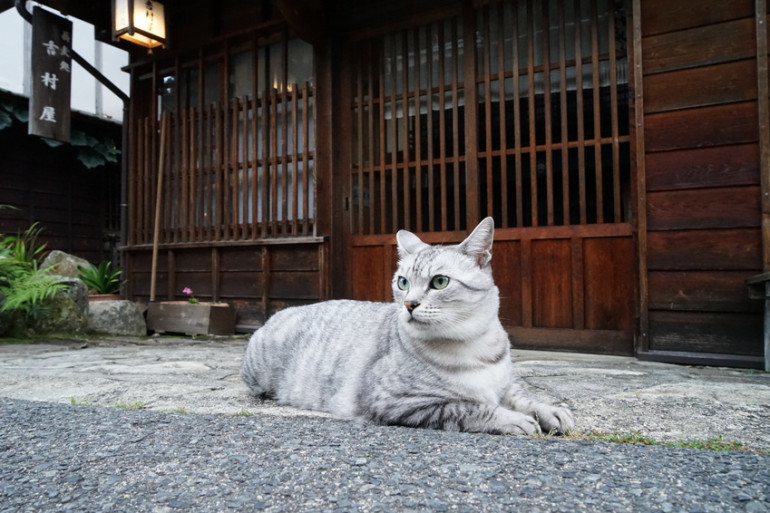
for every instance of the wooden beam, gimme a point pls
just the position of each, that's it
(304, 17)
(638, 178)
(763, 107)
(471, 141)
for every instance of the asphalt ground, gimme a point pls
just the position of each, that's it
(58, 457)
(164, 424)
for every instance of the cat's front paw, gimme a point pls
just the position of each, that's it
(517, 423)
(554, 419)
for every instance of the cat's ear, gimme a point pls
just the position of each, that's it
(408, 243)
(478, 245)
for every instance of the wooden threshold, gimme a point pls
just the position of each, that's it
(558, 339)
(712, 359)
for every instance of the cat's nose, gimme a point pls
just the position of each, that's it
(411, 305)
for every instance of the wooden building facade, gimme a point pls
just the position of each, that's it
(621, 146)
(77, 208)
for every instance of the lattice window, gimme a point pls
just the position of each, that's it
(239, 145)
(408, 151)
(548, 129)
(552, 127)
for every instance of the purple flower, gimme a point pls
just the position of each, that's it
(191, 299)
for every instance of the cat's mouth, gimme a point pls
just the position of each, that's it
(417, 319)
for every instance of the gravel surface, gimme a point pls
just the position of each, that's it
(59, 457)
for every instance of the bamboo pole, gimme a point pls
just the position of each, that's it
(158, 200)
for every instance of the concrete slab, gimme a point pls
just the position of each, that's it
(608, 394)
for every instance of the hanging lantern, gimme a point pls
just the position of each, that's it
(140, 21)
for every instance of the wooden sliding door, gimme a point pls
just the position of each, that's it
(516, 110)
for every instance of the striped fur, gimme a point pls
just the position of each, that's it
(436, 357)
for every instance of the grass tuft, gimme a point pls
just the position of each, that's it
(139, 405)
(636, 437)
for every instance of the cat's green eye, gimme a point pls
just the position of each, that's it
(402, 283)
(439, 282)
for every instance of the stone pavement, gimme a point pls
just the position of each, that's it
(607, 394)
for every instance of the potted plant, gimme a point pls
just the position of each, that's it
(103, 280)
(191, 317)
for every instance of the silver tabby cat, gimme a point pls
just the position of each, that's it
(436, 357)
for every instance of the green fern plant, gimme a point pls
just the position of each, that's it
(23, 286)
(102, 278)
(27, 290)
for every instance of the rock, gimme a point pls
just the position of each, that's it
(120, 317)
(66, 264)
(76, 290)
(66, 312)
(5, 319)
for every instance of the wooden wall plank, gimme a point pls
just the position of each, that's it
(294, 285)
(700, 46)
(240, 259)
(140, 283)
(696, 128)
(506, 268)
(551, 263)
(526, 284)
(241, 285)
(735, 249)
(700, 87)
(294, 258)
(198, 259)
(609, 284)
(705, 291)
(366, 283)
(660, 16)
(711, 332)
(729, 207)
(578, 281)
(198, 281)
(703, 167)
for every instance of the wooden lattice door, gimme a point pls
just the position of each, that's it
(529, 124)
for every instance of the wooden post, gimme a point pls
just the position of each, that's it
(763, 113)
(759, 288)
(638, 180)
(472, 215)
(158, 199)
